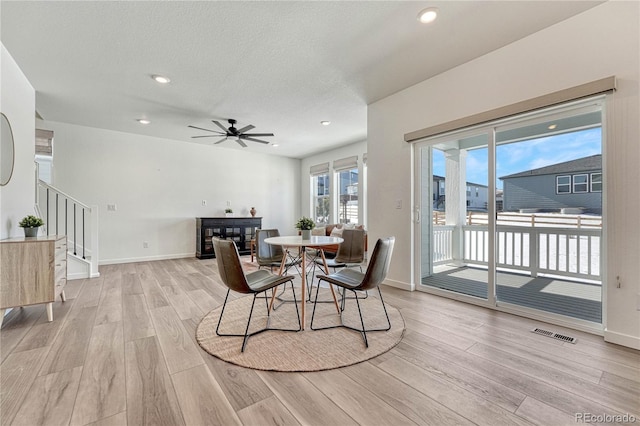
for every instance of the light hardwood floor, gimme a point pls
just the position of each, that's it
(122, 350)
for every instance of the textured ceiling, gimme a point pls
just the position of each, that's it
(281, 66)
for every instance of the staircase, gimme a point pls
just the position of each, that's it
(64, 215)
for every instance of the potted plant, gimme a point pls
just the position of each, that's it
(305, 225)
(31, 224)
(228, 212)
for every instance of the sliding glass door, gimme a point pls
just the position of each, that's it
(511, 213)
(456, 198)
(549, 227)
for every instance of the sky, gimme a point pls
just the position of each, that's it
(527, 155)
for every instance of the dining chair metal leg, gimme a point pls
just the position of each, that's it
(224, 305)
(246, 331)
(363, 331)
(246, 334)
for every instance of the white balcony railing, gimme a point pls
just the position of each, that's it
(573, 252)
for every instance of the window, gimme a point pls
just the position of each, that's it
(596, 182)
(320, 193)
(563, 184)
(321, 198)
(44, 154)
(477, 191)
(347, 177)
(348, 196)
(468, 191)
(580, 183)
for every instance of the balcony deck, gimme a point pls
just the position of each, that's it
(582, 300)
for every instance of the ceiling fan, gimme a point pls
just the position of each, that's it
(239, 135)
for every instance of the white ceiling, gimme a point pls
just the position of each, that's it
(281, 66)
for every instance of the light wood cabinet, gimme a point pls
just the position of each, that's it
(32, 271)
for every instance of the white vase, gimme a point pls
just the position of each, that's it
(306, 234)
(228, 215)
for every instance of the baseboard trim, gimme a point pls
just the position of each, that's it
(76, 276)
(146, 259)
(399, 284)
(622, 339)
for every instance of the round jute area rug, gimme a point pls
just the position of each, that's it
(306, 350)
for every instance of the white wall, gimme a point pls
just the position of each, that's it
(598, 43)
(158, 186)
(17, 102)
(358, 149)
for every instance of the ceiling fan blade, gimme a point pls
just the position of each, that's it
(258, 134)
(206, 136)
(244, 145)
(220, 141)
(247, 128)
(217, 123)
(255, 140)
(206, 130)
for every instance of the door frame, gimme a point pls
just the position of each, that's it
(422, 213)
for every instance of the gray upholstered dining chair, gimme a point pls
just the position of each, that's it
(268, 255)
(349, 279)
(233, 276)
(350, 254)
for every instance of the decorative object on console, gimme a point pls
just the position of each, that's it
(305, 225)
(31, 224)
(228, 212)
(253, 212)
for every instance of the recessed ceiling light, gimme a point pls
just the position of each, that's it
(551, 127)
(144, 121)
(325, 123)
(161, 79)
(428, 15)
(275, 145)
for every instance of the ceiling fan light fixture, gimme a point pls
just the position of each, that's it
(161, 79)
(428, 15)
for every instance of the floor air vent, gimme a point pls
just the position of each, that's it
(553, 335)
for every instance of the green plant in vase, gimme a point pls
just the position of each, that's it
(31, 224)
(305, 225)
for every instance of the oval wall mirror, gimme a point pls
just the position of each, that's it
(6, 150)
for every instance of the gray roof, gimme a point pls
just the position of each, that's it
(584, 164)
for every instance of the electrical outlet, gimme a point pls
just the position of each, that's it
(204, 202)
(145, 244)
(398, 204)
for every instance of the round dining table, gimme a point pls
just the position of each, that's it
(315, 241)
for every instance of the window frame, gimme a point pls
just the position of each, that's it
(340, 194)
(591, 182)
(568, 185)
(585, 183)
(315, 198)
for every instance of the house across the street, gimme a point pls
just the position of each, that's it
(570, 187)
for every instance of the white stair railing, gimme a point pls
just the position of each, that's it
(65, 215)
